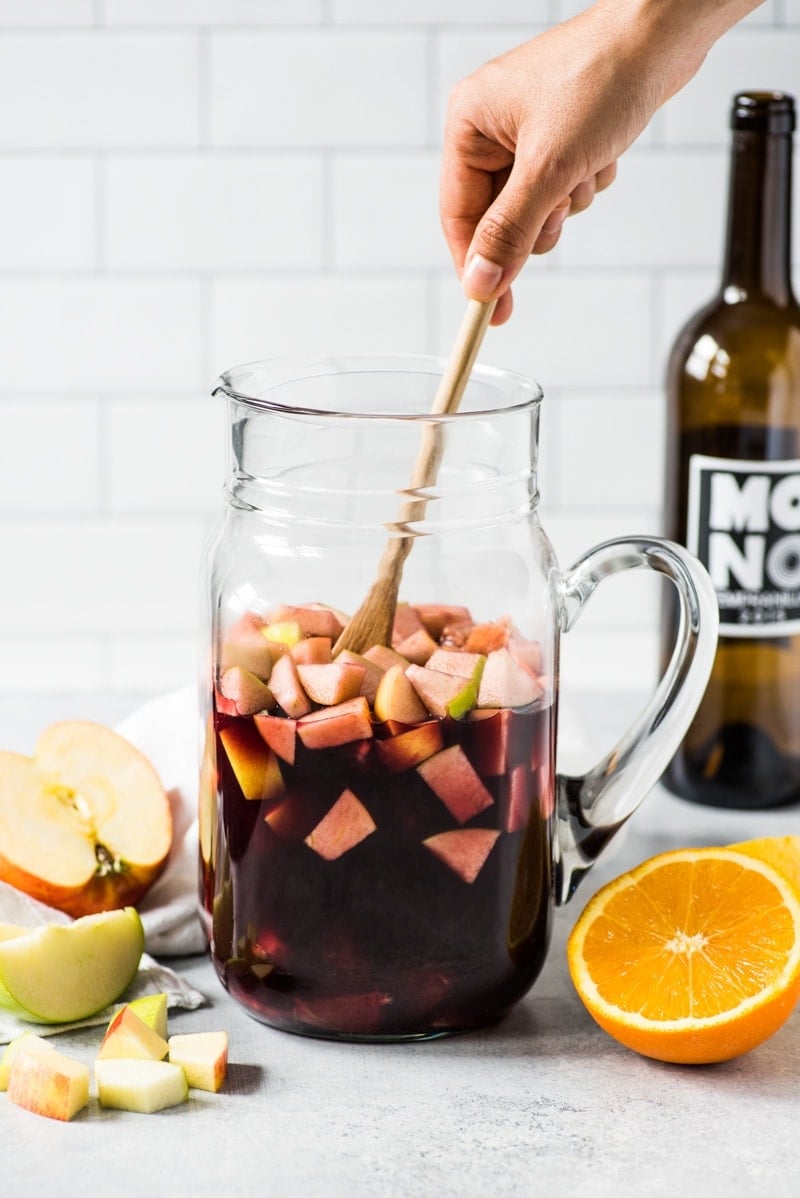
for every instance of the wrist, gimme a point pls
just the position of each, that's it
(672, 37)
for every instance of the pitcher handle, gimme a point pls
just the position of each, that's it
(591, 807)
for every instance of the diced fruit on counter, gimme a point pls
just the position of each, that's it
(138, 1066)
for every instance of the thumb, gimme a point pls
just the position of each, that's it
(506, 234)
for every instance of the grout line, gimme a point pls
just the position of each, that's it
(100, 213)
(204, 98)
(329, 216)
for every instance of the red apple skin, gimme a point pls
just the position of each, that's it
(100, 894)
(103, 891)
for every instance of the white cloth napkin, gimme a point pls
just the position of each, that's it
(165, 730)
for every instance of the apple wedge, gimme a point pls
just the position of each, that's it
(137, 1085)
(85, 824)
(252, 761)
(57, 974)
(452, 778)
(152, 1009)
(128, 1037)
(465, 850)
(203, 1057)
(245, 691)
(396, 699)
(504, 683)
(26, 1040)
(48, 1083)
(344, 826)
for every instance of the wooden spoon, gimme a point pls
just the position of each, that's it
(372, 623)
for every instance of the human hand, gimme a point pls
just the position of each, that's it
(533, 135)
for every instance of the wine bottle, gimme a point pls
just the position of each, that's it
(733, 479)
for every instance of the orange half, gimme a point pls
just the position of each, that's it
(692, 957)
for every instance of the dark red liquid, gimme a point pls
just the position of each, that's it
(387, 940)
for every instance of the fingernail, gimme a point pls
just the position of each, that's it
(481, 277)
(556, 219)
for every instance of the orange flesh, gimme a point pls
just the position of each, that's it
(674, 945)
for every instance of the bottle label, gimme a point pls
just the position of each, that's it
(743, 522)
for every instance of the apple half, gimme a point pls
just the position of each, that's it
(58, 974)
(85, 824)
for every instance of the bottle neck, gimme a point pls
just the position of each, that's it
(758, 244)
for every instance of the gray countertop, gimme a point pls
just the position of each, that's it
(544, 1099)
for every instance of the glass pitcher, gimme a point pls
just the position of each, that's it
(383, 834)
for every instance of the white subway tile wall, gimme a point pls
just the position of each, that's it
(187, 184)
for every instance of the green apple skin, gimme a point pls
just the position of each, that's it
(59, 974)
(152, 1010)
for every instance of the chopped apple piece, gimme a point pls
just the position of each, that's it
(372, 672)
(337, 725)
(203, 1057)
(27, 1039)
(287, 688)
(527, 654)
(465, 850)
(383, 656)
(48, 1083)
(406, 622)
(437, 616)
(246, 691)
(128, 1036)
(313, 651)
(285, 633)
(409, 748)
(280, 733)
(544, 782)
(293, 818)
(344, 826)
(139, 1085)
(397, 699)
(331, 684)
(152, 1008)
(417, 648)
(312, 620)
(86, 823)
(489, 741)
(453, 780)
(443, 694)
(518, 799)
(506, 684)
(484, 638)
(456, 661)
(252, 761)
(61, 973)
(245, 645)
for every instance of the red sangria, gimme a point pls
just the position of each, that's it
(376, 828)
